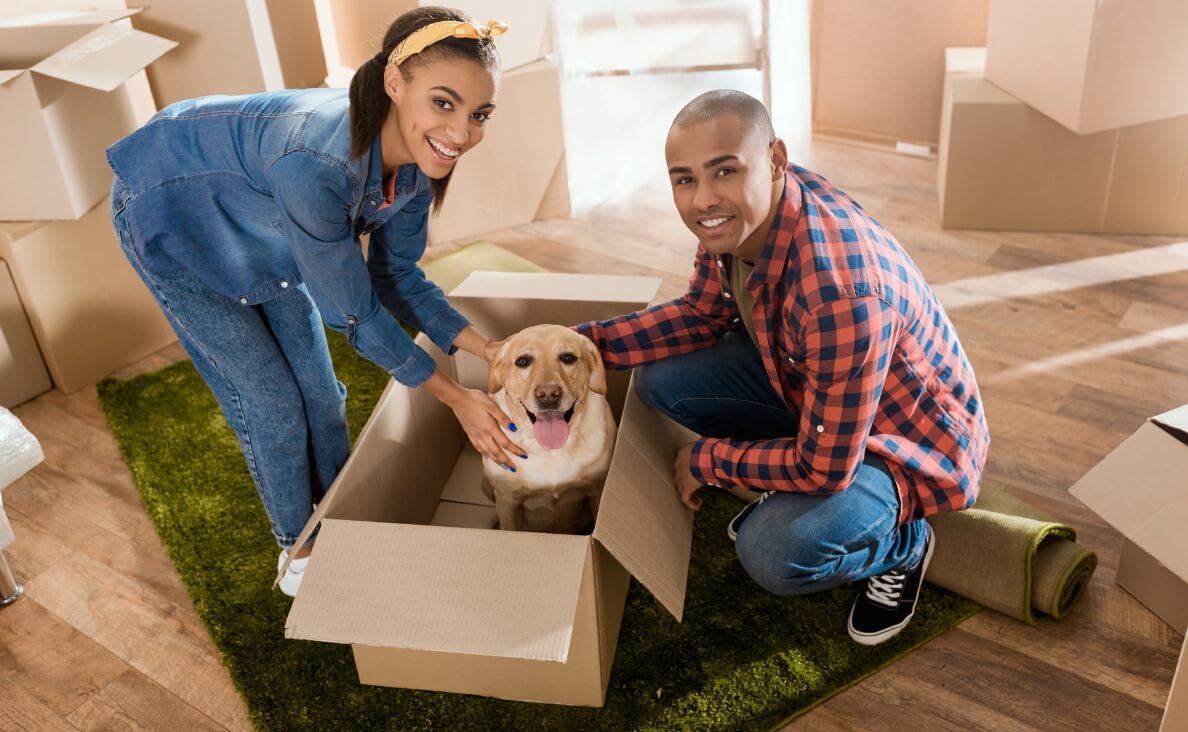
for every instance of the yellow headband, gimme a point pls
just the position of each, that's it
(422, 38)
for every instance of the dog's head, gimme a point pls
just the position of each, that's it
(548, 372)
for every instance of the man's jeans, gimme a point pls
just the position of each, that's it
(269, 368)
(791, 543)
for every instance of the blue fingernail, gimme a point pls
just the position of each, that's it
(512, 469)
(524, 456)
(511, 427)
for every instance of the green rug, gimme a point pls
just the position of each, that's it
(742, 660)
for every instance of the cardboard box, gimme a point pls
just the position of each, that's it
(1092, 65)
(878, 68)
(359, 27)
(515, 615)
(89, 310)
(517, 174)
(63, 100)
(1003, 165)
(22, 372)
(1139, 489)
(233, 46)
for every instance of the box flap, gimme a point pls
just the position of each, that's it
(1175, 420)
(1139, 489)
(641, 520)
(558, 286)
(436, 588)
(502, 303)
(105, 58)
(965, 60)
(71, 17)
(9, 75)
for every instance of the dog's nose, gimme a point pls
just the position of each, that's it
(548, 396)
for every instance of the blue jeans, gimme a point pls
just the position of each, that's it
(269, 368)
(791, 543)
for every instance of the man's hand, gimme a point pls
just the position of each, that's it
(686, 484)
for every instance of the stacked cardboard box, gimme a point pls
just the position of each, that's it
(518, 173)
(71, 83)
(877, 67)
(233, 46)
(1071, 119)
(1139, 489)
(1005, 165)
(468, 609)
(22, 372)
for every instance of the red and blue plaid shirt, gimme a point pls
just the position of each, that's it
(854, 340)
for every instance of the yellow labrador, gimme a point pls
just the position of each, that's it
(551, 382)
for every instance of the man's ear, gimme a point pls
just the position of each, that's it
(597, 369)
(779, 159)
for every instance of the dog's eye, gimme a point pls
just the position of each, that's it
(568, 358)
(524, 362)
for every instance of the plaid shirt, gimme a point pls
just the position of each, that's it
(853, 339)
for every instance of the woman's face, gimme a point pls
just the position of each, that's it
(441, 110)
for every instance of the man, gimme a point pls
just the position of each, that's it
(816, 362)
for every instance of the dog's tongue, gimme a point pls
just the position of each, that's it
(551, 429)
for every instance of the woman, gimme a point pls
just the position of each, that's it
(243, 217)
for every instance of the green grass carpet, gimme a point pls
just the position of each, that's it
(742, 660)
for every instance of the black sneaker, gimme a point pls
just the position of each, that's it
(889, 602)
(736, 522)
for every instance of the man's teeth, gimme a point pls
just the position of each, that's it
(711, 223)
(446, 151)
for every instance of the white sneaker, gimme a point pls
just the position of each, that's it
(292, 579)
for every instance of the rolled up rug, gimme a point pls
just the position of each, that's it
(1008, 556)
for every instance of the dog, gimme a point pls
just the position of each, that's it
(551, 381)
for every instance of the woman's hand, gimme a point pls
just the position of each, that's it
(480, 417)
(483, 421)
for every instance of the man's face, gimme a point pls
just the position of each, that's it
(721, 176)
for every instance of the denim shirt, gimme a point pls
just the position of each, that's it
(255, 194)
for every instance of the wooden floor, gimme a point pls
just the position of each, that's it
(1075, 340)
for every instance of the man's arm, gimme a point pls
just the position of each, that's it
(849, 347)
(694, 320)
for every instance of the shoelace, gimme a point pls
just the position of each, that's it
(886, 589)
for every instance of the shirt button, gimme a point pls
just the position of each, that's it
(820, 428)
(371, 203)
(726, 295)
(284, 283)
(791, 360)
(243, 300)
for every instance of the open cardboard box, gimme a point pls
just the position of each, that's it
(515, 615)
(1140, 489)
(63, 100)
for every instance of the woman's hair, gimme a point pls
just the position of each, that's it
(370, 102)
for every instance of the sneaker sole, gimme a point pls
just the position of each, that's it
(874, 639)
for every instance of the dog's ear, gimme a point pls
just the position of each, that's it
(495, 370)
(597, 370)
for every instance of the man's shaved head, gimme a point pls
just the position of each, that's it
(726, 168)
(749, 110)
